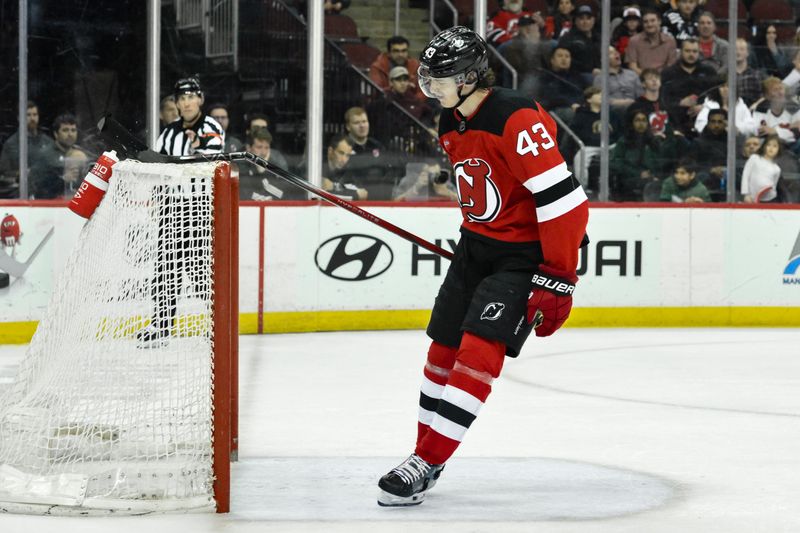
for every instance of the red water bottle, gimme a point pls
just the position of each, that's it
(94, 186)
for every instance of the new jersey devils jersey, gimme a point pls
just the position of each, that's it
(513, 184)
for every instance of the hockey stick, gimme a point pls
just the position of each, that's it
(116, 134)
(18, 268)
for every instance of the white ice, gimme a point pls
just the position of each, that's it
(592, 430)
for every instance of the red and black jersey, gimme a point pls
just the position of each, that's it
(503, 26)
(513, 184)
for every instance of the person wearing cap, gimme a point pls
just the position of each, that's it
(396, 55)
(193, 131)
(401, 91)
(527, 53)
(631, 25)
(681, 23)
(583, 42)
(652, 48)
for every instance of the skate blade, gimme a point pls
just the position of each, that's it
(390, 500)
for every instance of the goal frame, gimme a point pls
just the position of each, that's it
(226, 331)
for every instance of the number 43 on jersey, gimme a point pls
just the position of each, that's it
(526, 143)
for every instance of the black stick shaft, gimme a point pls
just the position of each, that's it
(117, 134)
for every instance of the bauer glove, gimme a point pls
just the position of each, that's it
(550, 300)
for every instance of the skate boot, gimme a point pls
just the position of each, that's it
(152, 337)
(407, 483)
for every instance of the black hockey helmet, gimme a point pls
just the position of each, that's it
(188, 85)
(454, 51)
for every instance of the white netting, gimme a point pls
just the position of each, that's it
(96, 418)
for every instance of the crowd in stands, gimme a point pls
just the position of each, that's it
(667, 95)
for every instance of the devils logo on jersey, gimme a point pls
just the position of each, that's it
(477, 193)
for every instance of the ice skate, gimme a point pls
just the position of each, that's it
(152, 337)
(407, 483)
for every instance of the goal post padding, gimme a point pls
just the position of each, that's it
(93, 423)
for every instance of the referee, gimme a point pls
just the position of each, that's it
(177, 207)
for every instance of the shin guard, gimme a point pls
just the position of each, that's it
(478, 362)
(440, 362)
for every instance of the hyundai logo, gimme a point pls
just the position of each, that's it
(353, 257)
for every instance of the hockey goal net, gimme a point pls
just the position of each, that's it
(97, 420)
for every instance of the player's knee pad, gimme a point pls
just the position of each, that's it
(498, 310)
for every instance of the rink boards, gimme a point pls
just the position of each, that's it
(311, 267)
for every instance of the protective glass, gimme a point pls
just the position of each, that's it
(439, 88)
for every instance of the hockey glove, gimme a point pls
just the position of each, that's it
(551, 299)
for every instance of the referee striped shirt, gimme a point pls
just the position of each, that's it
(174, 141)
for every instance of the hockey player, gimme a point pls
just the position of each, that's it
(177, 204)
(524, 218)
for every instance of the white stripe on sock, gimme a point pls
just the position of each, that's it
(462, 399)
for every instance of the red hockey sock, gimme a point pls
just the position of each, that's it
(478, 362)
(440, 362)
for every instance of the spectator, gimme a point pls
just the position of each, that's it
(47, 174)
(792, 80)
(631, 25)
(559, 24)
(652, 48)
(394, 126)
(683, 185)
(747, 147)
(401, 91)
(219, 112)
(421, 184)
(256, 182)
(771, 114)
(624, 86)
(256, 121)
(587, 124)
(713, 49)
(684, 82)
(583, 42)
(637, 159)
(396, 55)
(652, 103)
(682, 22)
(749, 81)
(718, 99)
(769, 58)
(38, 142)
(168, 111)
(561, 90)
(761, 173)
(335, 178)
(528, 54)
(368, 165)
(711, 151)
(76, 165)
(502, 27)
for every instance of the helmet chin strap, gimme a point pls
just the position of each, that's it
(463, 97)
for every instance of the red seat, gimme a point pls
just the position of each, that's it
(360, 55)
(340, 26)
(772, 11)
(719, 8)
(743, 31)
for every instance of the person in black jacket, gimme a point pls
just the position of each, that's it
(583, 42)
